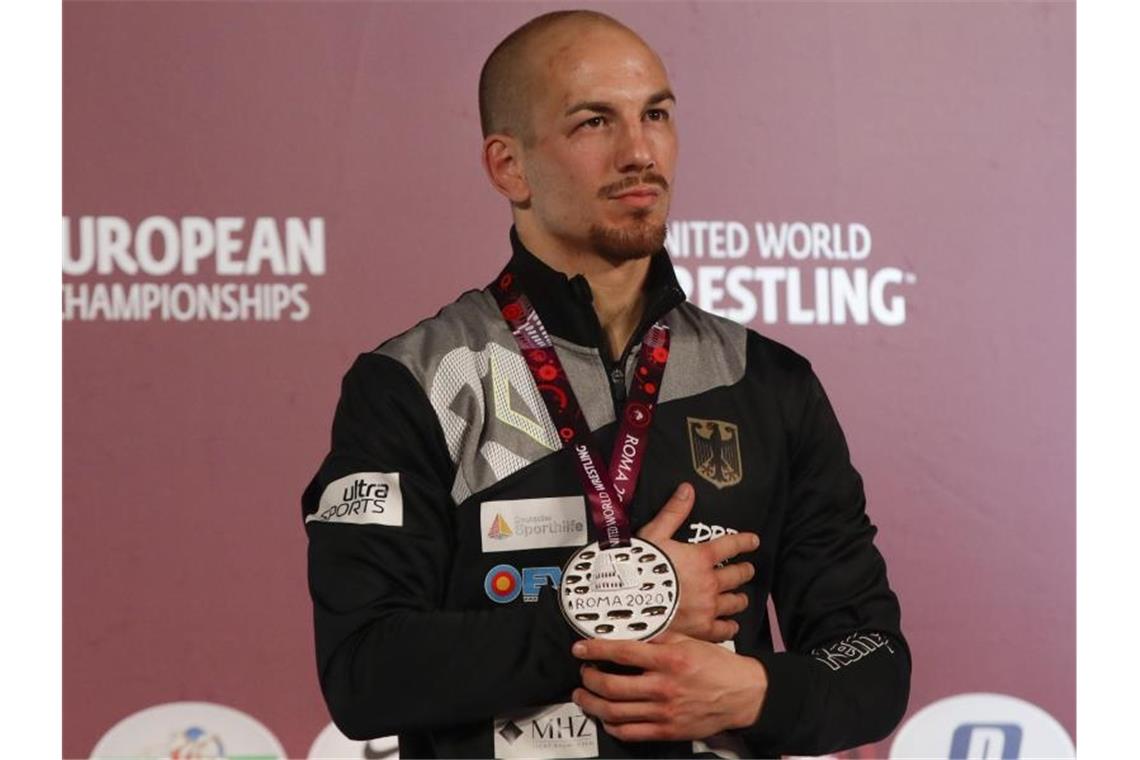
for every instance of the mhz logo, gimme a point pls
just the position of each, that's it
(504, 583)
(986, 741)
(550, 731)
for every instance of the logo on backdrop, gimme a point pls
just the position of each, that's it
(982, 727)
(331, 744)
(183, 730)
(196, 742)
(796, 273)
(552, 731)
(191, 268)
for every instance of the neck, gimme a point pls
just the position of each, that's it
(619, 302)
(618, 287)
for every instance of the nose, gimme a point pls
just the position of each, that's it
(634, 151)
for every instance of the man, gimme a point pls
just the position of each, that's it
(442, 519)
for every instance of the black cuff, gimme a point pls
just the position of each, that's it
(790, 680)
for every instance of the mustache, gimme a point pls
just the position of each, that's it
(649, 178)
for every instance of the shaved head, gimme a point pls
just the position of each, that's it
(578, 134)
(511, 76)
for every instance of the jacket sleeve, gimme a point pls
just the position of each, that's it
(844, 680)
(379, 519)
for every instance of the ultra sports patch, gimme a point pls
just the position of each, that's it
(362, 498)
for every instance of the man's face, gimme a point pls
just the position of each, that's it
(600, 165)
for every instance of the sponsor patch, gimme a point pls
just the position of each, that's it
(703, 532)
(551, 731)
(504, 583)
(515, 524)
(362, 498)
(851, 649)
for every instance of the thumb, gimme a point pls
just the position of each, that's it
(671, 516)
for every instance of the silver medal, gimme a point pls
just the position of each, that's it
(626, 593)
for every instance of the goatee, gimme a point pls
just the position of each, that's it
(618, 245)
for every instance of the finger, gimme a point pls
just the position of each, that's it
(723, 630)
(617, 687)
(730, 604)
(671, 516)
(639, 654)
(733, 575)
(727, 547)
(616, 712)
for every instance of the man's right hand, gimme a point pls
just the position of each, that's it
(707, 591)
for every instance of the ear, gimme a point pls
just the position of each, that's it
(502, 160)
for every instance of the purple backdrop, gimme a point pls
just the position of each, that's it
(945, 131)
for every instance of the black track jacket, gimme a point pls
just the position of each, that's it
(441, 516)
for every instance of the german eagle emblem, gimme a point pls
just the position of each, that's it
(716, 451)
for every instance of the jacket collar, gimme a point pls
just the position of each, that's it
(565, 304)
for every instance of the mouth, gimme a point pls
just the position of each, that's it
(640, 196)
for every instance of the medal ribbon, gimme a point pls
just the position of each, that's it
(609, 490)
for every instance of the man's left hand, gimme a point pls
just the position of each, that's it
(689, 689)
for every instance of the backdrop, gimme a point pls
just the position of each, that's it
(254, 193)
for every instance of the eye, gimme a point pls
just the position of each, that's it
(657, 114)
(594, 122)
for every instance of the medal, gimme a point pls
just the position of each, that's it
(618, 587)
(625, 593)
